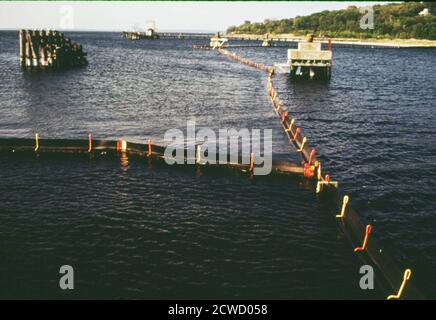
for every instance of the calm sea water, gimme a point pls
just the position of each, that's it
(167, 232)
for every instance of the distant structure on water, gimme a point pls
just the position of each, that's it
(308, 61)
(148, 33)
(217, 41)
(137, 35)
(267, 42)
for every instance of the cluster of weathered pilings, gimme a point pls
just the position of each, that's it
(365, 246)
(49, 49)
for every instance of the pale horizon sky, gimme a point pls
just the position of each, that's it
(168, 16)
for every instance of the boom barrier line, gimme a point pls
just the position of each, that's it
(349, 219)
(149, 150)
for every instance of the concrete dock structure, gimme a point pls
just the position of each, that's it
(308, 61)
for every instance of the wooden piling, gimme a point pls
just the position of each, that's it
(35, 45)
(22, 44)
(27, 51)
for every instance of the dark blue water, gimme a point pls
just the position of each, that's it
(166, 232)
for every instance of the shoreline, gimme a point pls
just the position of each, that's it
(393, 43)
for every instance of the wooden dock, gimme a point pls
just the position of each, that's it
(186, 36)
(136, 35)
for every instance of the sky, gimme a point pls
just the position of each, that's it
(167, 16)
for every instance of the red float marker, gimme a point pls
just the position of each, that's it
(308, 170)
(119, 142)
(365, 240)
(121, 145)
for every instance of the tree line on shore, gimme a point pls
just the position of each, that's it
(390, 21)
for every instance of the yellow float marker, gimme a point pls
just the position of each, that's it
(344, 206)
(290, 125)
(36, 142)
(406, 277)
(302, 144)
(198, 158)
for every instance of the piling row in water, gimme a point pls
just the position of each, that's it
(365, 246)
(49, 49)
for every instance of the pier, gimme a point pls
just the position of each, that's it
(136, 35)
(268, 40)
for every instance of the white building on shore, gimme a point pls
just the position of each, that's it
(424, 12)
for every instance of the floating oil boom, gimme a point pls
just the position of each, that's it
(393, 279)
(149, 150)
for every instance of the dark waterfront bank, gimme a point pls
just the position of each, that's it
(372, 126)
